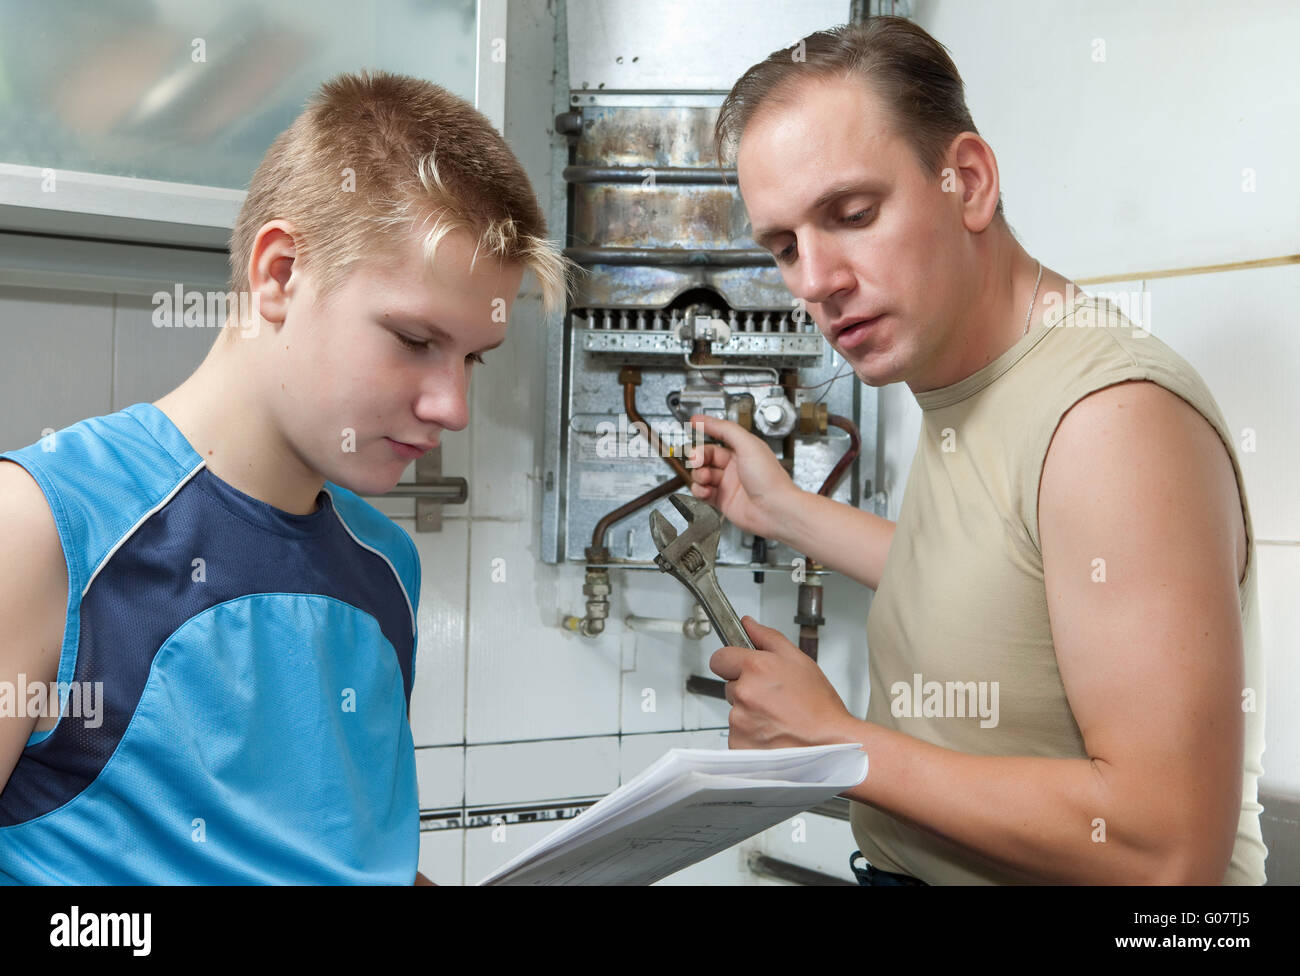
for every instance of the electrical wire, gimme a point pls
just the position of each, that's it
(776, 377)
(844, 370)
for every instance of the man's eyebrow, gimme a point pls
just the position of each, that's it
(839, 190)
(435, 330)
(415, 321)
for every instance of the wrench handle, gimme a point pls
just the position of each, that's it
(720, 611)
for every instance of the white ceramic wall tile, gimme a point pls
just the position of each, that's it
(487, 848)
(455, 464)
(441, 775)
(812, 841)
(148, 360)
(1279, 582)
(654, 681)
(526, 772)
(442, 856)
(438, 699)
(1241, 331)
(639, 751)
(528, 677)
(54, 371)
(657, 663)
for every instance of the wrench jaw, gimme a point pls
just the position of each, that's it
(664, 535)
(689, 558)
(661, 530)
(703, 523)
(703, 529)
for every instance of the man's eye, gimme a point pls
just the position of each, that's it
(857, 217)
(475, 357)
(411, 343)
(786, 254)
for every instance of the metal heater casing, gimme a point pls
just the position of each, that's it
(660, 229)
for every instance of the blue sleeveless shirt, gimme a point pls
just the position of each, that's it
(253, 669)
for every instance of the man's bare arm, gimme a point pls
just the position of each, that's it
(1151, 660)
(847, 539)
(745, 481)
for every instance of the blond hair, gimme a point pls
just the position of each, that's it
(376, 156)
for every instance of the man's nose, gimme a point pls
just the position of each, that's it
(822, 271)
(445, 399)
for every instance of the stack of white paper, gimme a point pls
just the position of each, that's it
(689, 805)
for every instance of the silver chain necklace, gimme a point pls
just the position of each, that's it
(1034, 299)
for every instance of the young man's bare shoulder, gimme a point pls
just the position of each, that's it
(33, 577)
(26, 512)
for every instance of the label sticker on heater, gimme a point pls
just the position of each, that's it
(601, 485)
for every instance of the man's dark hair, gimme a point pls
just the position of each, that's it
(909, 71)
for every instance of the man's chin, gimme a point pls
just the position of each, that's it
(379, 480)
(871, 377)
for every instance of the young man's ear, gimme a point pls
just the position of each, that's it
(271, 269)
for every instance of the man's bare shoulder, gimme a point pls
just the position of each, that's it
(35, 573)
(1158, 433)
(33, 585)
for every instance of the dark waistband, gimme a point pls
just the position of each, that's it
(872, 875)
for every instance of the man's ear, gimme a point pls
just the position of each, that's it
(271, 269)
(977, 179)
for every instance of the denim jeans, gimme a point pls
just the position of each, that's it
(871, 875)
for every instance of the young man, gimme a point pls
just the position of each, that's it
(203, 564)
(1066, 682)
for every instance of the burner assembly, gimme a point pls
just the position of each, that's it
(678, 312)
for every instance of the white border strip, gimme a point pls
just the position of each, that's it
(489, 75)
(120, 196)
(143, 518)
(400, 584)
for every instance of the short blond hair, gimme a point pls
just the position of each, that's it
(376, 156)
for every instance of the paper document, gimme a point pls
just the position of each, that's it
(689, 805)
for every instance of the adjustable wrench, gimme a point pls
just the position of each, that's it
(690, 556)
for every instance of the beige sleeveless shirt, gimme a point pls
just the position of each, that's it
(962, 597)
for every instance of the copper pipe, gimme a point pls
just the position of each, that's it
(855, 446)
(808, 614)
(629, 407)
(623, 511)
